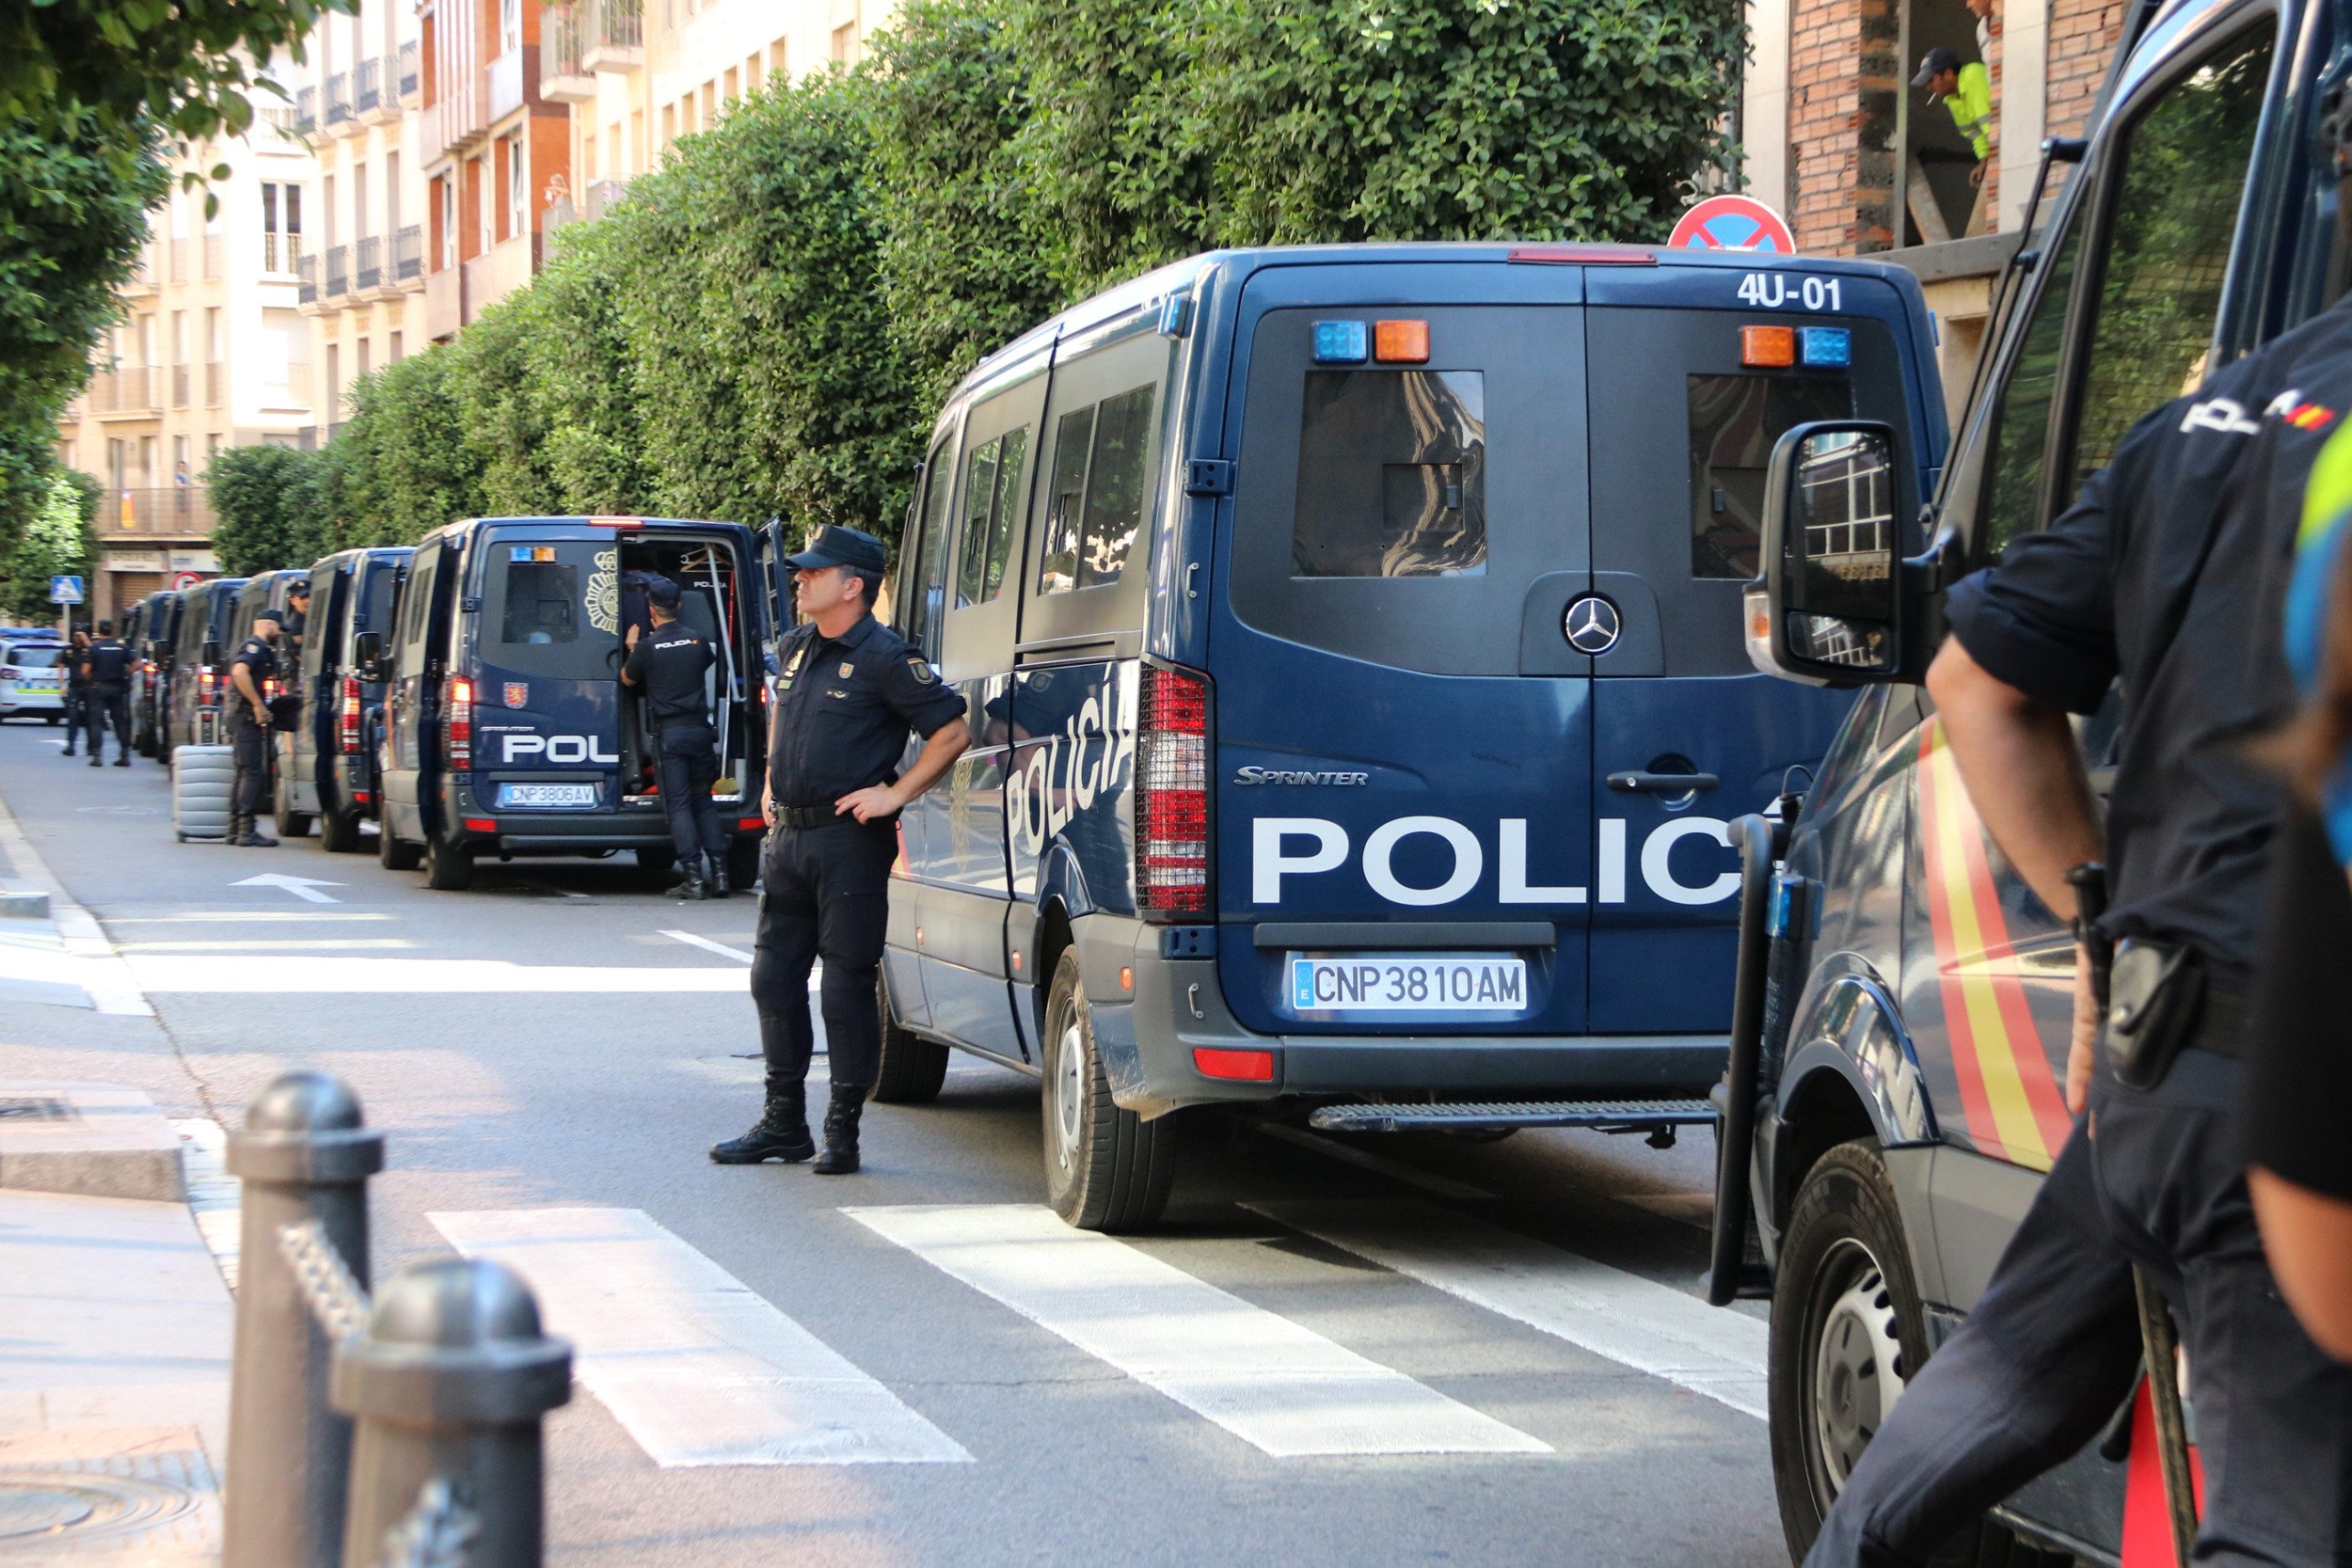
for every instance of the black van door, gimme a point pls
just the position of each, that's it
(410, 700)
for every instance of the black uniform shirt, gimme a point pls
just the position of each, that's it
(2168, 575)
(74, 659)
(668, 663)
(260, 658)
(109, 663)
(843, 709)
(2299, 1077)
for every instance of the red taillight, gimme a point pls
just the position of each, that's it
(347, 717)
(457, 723)
(1586, 255)
(480, 824)
(1171, 794)
(1247, 1067)
(205, 680)
(755, 824)
(269, 689)
(11, 673)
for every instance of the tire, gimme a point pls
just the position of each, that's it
(654, 867)
(744, 867)
(1105, 1168)
(913, 1068)
(448, 867)
(52, 718)
(394, 853)
(338, 833)
(291, 824)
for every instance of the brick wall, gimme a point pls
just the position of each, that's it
(1842, 75)
(2082, 42)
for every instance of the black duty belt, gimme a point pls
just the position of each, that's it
(809, 816)
(2220, 1024)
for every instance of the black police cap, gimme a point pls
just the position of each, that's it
(835, 545)
(660, 591)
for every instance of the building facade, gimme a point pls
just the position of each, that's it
(211, 352)
(359, 103)
(1863, 163)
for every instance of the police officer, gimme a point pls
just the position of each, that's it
(249, 729)
(2166, 576)
(297, 616)
(106, 672)
(77, 716)
(848, 690)
(668, 664)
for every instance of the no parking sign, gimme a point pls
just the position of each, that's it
(1733, 223)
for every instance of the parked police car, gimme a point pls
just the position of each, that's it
(1351, 639)
(326, 763)
(192, 713)
(1896, 1083)
(506, 730)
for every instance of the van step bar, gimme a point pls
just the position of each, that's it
(1614, 1115)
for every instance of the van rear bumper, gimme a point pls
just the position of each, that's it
(568, 832)
(1147, 1049)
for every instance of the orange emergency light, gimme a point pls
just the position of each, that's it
(1401, 342)
(1772, 347)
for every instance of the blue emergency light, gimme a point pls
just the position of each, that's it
(1825, 348)
(1341, 344)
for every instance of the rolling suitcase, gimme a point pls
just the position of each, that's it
(201, 777)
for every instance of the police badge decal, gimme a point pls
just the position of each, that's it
(604, 592)
(923, 671)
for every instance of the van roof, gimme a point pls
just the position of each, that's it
(601, 520)
(1177, 278)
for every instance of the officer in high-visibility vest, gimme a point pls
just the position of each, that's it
(1966, 92)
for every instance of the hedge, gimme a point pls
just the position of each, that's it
(764, 325)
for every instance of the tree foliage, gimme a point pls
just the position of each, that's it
(265, 502)
(60, 538)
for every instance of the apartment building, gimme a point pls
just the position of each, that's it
(359, 105)
(496, 155)
(1863, 164)
(638, 74)
(211, 352)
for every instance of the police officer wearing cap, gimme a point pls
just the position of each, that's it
(255, 663)
(297, 617)
(107, 674)
(848, 691)
(668, 663)
(2165, 582)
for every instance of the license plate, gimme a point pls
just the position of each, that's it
(1408, 983)
(36, 684)
(546, 795)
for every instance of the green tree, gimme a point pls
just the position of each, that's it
(60, 538)
(265, 509)
(73, 213)
(580, 374)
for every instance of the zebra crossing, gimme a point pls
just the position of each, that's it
(700, 1370)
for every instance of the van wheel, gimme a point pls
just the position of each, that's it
(339, 832)
(913, 1068)
(1846, 1330)
(1105, 1168)
(448, 867)
(395, 853)
(291, 824)
(55, 718)
(656, 863)
(743, 870)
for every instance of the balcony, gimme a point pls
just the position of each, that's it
(280, 253)
(180, 378)
(368, 274)
(603, 196)
(338, 272)
(337, 101)
(307, 268)
(213, 247)
(612, 34)
(367, 87)
(305, 118)
(457, 120)
(215, 381)
(125, 392)
(289, 392)
(408, 256)
(183, 259)
(170, 511)
(409, 80)
(506, 86)
(562, 77)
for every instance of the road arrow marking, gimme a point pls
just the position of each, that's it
(301, 887)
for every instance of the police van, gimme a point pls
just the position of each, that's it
(159, 624)
(201, 650)
(326, 763)
(1896, 1083)
(1351, 642)
(506, 730)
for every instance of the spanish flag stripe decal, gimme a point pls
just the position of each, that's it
(2023, 1065)
(1959, 1028)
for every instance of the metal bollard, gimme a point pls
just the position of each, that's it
(305, 1160)
(448, 1383)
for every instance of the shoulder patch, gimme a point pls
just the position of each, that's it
(924, 674)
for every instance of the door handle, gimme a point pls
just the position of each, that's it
(1662, 783)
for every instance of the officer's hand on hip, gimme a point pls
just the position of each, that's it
(868, 803)
(2086, 1037)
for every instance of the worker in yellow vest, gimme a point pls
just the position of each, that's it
(1966, 91)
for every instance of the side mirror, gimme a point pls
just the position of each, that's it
(1828, 608)
(212, 651)
(367, 651)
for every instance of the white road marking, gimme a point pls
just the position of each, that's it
(99, 971)
(305, 887)
(270, 945)
(243, 917)
(178, 973)
(709, 946)
(1637, 1322)
(698, 1368)
(1279, 1386)
(1364, 1159)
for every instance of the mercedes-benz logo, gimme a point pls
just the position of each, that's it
(1592, 625)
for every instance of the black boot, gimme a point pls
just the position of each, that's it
(840, 1156)
(123, 761)
(243, 835)
(97, 761)
(716, 875)
(693, 886)
(780, 1133)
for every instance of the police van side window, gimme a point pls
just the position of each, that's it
(928, 598)
(2173, 205)
(415, 610)
(992, 503)
(1391, 475)
(1101, 457)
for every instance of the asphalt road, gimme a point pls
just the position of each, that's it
(934, 1378)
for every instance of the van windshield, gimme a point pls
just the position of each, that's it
(552, 609)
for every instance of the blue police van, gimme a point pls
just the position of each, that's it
(506, 731)
(327, 762)
(1352, 644)
(1895, 1081)
(190, 697)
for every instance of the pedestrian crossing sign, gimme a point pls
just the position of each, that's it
(64, 590)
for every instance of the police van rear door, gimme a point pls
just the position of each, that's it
(1403, 747)
(1694, 372)
(546, 644)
